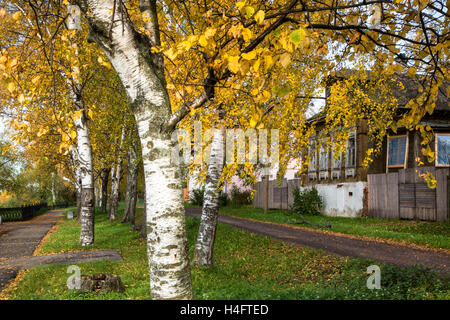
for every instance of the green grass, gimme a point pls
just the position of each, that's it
(247, 266)
(431, 234)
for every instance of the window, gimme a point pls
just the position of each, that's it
(312, 156)
(396, 156)
(335, 159)
(351, 151)
(443, 149)
(323, 158)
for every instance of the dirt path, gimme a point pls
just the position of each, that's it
(401, 255)
(19, 240)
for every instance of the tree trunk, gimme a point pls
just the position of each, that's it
(143, 233)
(104, 177)
(115, 187)
(142, 74)
(210, 211)
(266, 192)
(131, 195)
(113, 174)
(87, 182)
(53, 189)
(78, 205)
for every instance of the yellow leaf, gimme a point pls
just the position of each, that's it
(240, 4)
(35, 80)
(210, 32)
(250, 55)
(21, 98)
(411, 72)
(73, 134)
(11, 87)
(90, 114)
(203, 41)
(246, 34)
(268, 61)
(259, 17)
(233, 64)
(16, 15)
(249, 11)
(285, 59)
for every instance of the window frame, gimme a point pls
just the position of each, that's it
(323, 150)
(313, 144)
(436, 150)
(405, 160)
(333, 159)
(351, 135)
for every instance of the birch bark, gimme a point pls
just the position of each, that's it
(87, 181)
(207, 231)
(115, 186)
(142, 74)
(131, 195)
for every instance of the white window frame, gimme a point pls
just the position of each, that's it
(406, 152)
(436, 135)
(333, 159)
(351, 135)
(323, 150)
(312, 143)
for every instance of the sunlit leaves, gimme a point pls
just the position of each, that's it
(259, 17)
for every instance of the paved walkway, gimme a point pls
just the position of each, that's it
(18, 241)
(401, 255)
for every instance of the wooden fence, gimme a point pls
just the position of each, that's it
(405, 195)
(280, 194)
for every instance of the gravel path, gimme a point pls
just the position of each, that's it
(398, 254)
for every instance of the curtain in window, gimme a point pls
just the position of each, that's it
(351, 151)
(397, 150)
(443, 150)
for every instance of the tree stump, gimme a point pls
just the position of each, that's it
(101, 282)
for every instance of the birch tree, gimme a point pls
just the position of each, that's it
(179, 58)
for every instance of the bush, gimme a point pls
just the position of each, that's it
(223, 199)
(307, 201)
(198, 196)
(239, 198)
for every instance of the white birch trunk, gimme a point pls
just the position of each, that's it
(115, 182)
(131, 195)
(87, 181)
(53, 189)
(115, 187)
(142, 74)
(210, 211)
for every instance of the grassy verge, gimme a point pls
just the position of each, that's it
(247, 266)
(431, 234)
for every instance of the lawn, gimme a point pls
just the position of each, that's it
(247, 266)
(430, 234)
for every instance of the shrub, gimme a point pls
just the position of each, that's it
(223, 199)
(307, 201)
(239, 198)
(198, 196)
